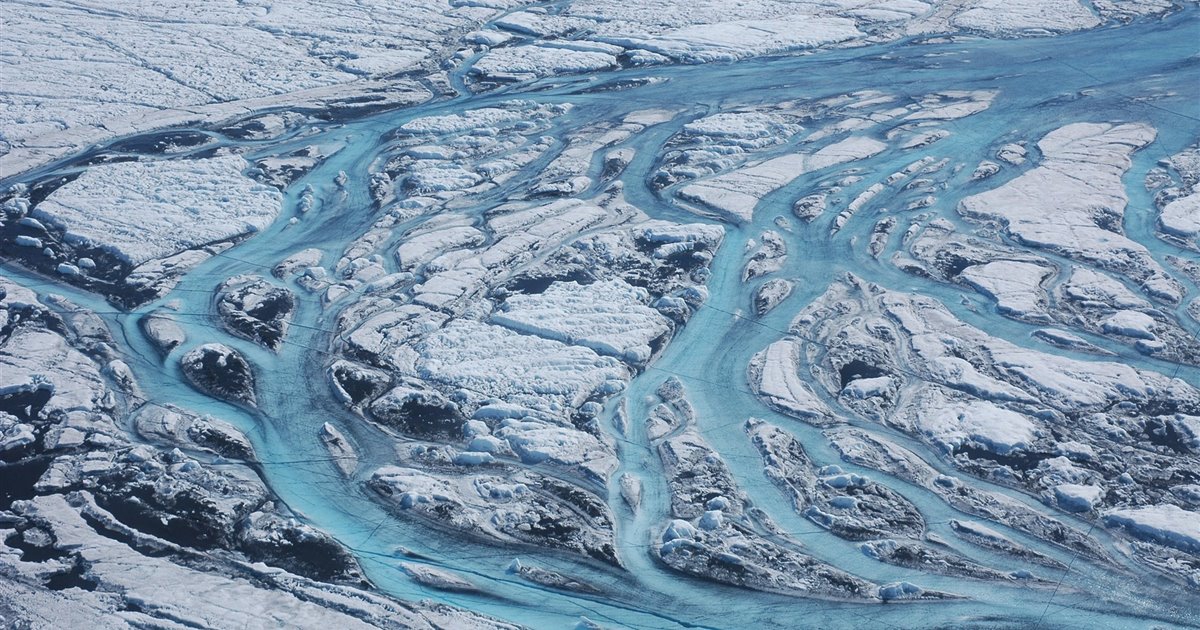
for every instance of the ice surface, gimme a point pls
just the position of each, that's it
(1182, 216)
(1167, 523)
(1088, 285)
(736, 39)
(736, 194)
(997, 16)
(609, 317)
(135, 210)
(1032, 288)
(513, 507)
(710, 535)
(994, 428)
(35, 360)
(690, 33)
(206, 522)
(988, 413)
(212, 600)
(1016, 286)
(482, 271)
(538, 61)
(850, 505)
(1062, 203)
(81, 79)
(774, 376)
(340, 449)
(495, 361)
(1176, 186)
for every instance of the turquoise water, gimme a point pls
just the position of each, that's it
(1041, 84)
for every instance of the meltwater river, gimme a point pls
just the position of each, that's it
(1148, 71)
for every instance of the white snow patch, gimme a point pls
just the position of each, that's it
(1130, 324)
(491, 360)
(739, 39)
(1181, 217)
(1004, 17)
(540, 61)
(1075, 497)
(1093, 287)
(1167, 524)
(979, 422)
(867, 387)
(1061, 203)
(1016, 286)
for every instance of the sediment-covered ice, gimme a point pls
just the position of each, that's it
(715, 535)
(856, 508)
(340, 449)
(767, 258)
(1053, 426)
(487, 282)
(252, 307)
(865, 449)
(106, 518)
(503, 504)
(173, 427)
(217, 369)
(142, 587)
(163, 331)
(849, 505)
(1032, 288)
(770, 294)
(984, 536)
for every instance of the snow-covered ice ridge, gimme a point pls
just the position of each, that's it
(592, 314)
